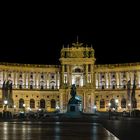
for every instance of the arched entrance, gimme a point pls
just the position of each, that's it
(53, 104)
(112, 104)
(21, 102)
(42, 103)
(123, 103)
(32, 103)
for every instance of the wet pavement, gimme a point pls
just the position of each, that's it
(124, 128)
(54, 131)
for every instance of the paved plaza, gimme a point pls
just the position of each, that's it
(54, 131)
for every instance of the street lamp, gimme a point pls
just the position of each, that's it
(5, 104)
(116, 105)
(95, 108)
(109, 110)
(129, 104)
(24, 105)
(14, 110)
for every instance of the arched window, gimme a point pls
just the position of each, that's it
(103, 84)
(102, 103)
(114, 84)
(21, 102)
(134, 103)
(31, 84)
(53, 103)
(77, 70)
(42, 103)
(41, 84)
(112, 103)
(123, 103)
(124, 84)
(20, 84)
(32, 103)
(52, 85)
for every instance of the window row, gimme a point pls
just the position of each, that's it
(42, 103)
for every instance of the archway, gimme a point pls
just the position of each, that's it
(112, 103)
(134, 103)
(102, 103)
(53, 103)
(42, 103)
(32, 103)
(123, 103)
(21, 102)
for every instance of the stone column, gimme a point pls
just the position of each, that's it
(56, 80)
(131, 77)
(92, 102)
(92, 77)
(36, 80)
(34, 84)
(28, 79)
(5, 75)
(138, 78)
(127, 76)
(16, 79)
(109, 80)
(99, 80)
(61, 102)
(106, 79)
(84, 102)
(120, 79)
(117, 79)
(1, 77)
(62, 77)
(68, 74)
(96, 80)
(48, 82)
(24, 79)
(86, 74)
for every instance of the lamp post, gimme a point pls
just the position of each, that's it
(130, 107)
(14, 111)
(116, 105)
(109, 110)
(5, 108)
(24, 107)
(5, 105)
(95, 109)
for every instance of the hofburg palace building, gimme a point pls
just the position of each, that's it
(47, 87)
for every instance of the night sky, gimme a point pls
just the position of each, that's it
(36, 37)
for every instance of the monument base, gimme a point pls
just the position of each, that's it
(73, 111)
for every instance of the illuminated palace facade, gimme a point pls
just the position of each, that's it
(47, 87)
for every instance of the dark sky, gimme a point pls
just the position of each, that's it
(36, 35)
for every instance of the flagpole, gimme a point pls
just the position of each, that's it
(130, 103)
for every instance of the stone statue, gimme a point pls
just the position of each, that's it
(7, 93)
(73, 90)
(73, 100)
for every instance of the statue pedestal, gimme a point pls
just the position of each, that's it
(73, 108)
(73, 111)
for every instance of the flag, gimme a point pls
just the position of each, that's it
(134, 88)
(128, 89)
